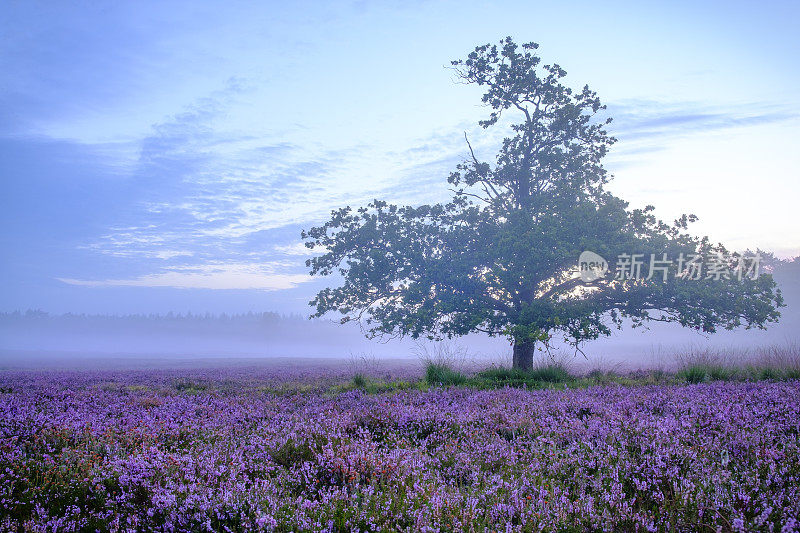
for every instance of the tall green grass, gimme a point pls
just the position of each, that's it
(550, 373)
(776, 362)
(700, 366)
(441, 374)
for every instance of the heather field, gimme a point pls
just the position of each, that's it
(239, 450)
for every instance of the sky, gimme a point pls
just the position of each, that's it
(165, 156)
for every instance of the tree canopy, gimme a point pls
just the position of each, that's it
(501, 257)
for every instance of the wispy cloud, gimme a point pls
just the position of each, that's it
(644, 127)
(224, 196)
(267, 277)
(637, 120)
(213, 207)
(296, 249)
(214, 194)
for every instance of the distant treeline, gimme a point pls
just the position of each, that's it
(171, 332)
(250, 317)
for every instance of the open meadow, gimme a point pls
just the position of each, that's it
(268, 449)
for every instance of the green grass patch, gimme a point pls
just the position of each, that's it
(439, 374)
(558, 376)
(694, 374)
(552, 373)
(546, 376)
(359, 381)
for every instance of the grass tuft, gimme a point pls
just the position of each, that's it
(552, 373)
(720, 373)
(770, 374)
(359, 381)
(693, 374)
(540, 377)
(440, 374)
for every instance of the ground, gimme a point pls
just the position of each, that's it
(237, 449)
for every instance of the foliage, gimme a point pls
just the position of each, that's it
(500, 256)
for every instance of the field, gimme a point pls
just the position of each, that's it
(240, 450)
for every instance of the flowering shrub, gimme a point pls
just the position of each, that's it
(156, 451)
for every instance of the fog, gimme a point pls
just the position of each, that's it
(38, 339)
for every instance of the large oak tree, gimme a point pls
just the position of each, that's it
(501, 256)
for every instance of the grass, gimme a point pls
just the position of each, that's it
(695, 367)
(553, 375)
(545, 376)
(556, 375)
(539, 377)
(694, 374)
(368, 385)
(720, 373)
(768, 363)
(359, 381)
(703, 373)
(441, 374)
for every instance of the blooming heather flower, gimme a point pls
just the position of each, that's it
(208, 452)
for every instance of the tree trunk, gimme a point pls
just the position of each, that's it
(523, 355)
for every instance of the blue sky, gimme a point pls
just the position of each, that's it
(159, 156)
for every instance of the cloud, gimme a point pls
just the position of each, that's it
(208, 194)
(296, 249)
(644, 127)
(217, 276)
(200, 190)
(214, 194)
(635, 120)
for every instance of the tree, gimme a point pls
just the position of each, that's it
(501, 256)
